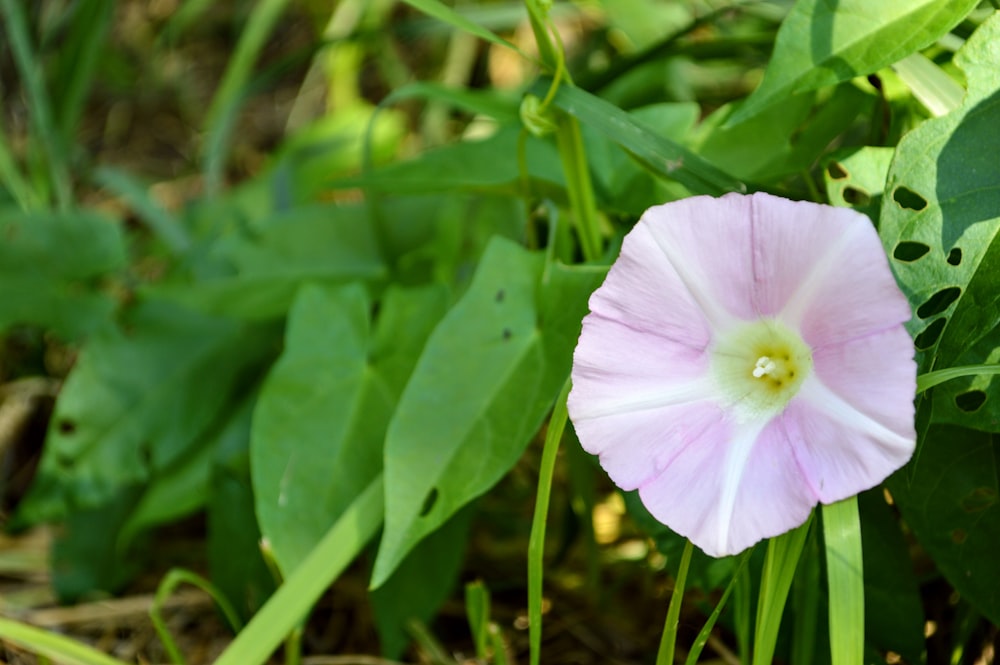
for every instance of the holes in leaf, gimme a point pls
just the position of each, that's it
(67, 427)
(955, 256)
(836, 171)
(907, 198)
(970, 401)
(909, 251)
(939, 302)
(429, 502)
(856, 197)
(930, 335)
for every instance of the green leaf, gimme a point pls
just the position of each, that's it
(950, 497)
(894, 613)
(291, 602)
(422, 582)
(822, 43)
(50, 269)
(235, 562)
(855, 177)
(140, 398)
(781, 140)
(86, 556)
(483, 384)
(256, 274)
(940, 224)
(628, 186)
(322, 414)
(658, 154)
(484, 166)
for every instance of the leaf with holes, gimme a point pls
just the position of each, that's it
(143, 396)
(320, 422)
(855, 178)
(821, 43)
(940, 224)
(482, 386)
(941, 227)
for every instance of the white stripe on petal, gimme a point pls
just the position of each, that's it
(734, 466)
(830, 403)
(718, 318)
(673, 395)
(805, 294)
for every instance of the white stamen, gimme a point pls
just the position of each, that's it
(764, 366)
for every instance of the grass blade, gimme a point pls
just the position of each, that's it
(291, 602)
(845, 578)
(228, 98)
(782, 558)
(50, 645)
(39, 104)
(446, 14)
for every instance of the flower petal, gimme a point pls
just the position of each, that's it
(876, 375)
(715, 272)
(617, 369)
(830, 277)
(635, 447)
(795, 241)
(644, 292)
(726, 493)
(841, 451)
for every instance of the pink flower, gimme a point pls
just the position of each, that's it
(745, 359)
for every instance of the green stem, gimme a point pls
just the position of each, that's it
(579, 187)
(171, 581)
(536, 542)
(668, 640)
(706, 630)
(783, 554)
(327, 560)
(931, 379)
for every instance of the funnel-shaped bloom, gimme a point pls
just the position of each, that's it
(745, 359)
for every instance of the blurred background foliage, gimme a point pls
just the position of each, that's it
(257, 256)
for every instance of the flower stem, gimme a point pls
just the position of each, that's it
(536, 542)
(931, 379)
(579, 187)
(783, 554)
(665, 656)
(569, 140)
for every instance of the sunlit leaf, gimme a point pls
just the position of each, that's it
(484, 382)
(941, 226)
(321, 418)
(821, 43)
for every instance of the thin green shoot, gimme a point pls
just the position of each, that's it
(668, 639)
(536, 541)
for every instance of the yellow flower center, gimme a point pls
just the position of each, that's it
(759, 367)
